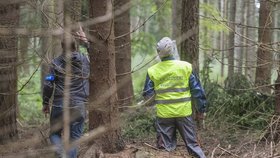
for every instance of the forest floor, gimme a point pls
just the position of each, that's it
(217, 143)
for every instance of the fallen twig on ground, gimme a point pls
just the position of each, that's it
(150, 146)
(228, 151)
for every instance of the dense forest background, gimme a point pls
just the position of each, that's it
(233, 46)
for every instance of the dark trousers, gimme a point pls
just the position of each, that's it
(166, 134)
(76, 129)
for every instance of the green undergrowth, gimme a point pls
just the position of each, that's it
(239, 104)
(29, 100)
(139, 124)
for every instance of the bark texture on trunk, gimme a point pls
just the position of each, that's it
(103, 107)
(251, 33)
(123, 54)
(190, 33)
(264, 55)
(176, 19)
(232, 10)
(9, 15)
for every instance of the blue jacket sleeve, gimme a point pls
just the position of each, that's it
(48, 86)
(197, 93)
(148, 90)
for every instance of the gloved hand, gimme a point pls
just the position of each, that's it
(46, 110)
(200, 118)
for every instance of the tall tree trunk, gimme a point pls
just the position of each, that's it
(176, 21)
(274, 128)
(220, 34)
(232, 10)
(161, 20)
(274, 33)
(190, 33)
(277, 82)
(213, 34)
(206, 39)
(278, 24)
(277, 94)
(240, 38)
(75, 10)
(58, 24)
(46, 47)
(123, 54)
(264, 55)
(251, 33)
(9, 15)
(103, 108)
(224, 38)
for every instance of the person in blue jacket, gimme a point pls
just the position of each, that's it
(53, 93)
(173, 85)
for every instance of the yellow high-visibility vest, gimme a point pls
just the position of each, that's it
(171, 85)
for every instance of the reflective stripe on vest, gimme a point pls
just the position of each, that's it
(172, 90)
(171, 101)
(171, 85)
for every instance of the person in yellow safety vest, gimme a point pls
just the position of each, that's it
(173, 84)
